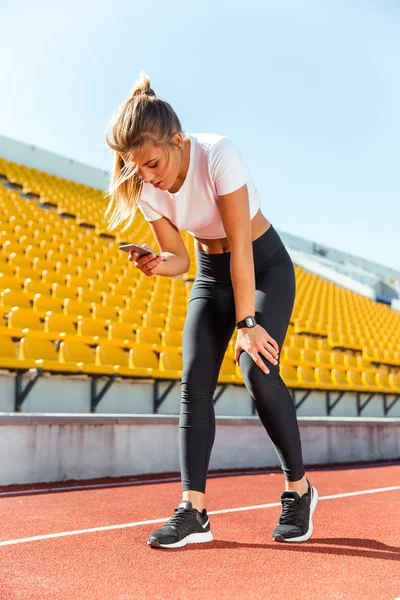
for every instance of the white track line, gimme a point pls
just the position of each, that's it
(153, 521)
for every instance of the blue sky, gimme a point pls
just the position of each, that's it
(309, 91)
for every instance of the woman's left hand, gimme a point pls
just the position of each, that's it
(255, 341)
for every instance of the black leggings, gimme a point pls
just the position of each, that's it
(209, 326)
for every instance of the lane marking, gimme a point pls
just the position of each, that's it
(98, 486)
(163, 520)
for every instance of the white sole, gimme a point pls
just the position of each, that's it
(193, 538)
(308, 534)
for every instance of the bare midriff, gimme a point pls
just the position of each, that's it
(259, 225)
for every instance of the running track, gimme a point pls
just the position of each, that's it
(91, 543)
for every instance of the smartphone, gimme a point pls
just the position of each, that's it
(141, 250)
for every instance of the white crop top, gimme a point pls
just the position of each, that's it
(216, 168)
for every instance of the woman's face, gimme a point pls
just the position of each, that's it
(155, 166)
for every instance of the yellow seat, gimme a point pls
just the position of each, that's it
(137, 304)
(175, 323)
(369, 381)
(227, 373)
(89, 327)
(10, 298)
(382, 381)
(289, 375)
(154, 321)
(88, 296)
(21, 319)
(178, 310)
(144, 362)
(353, 377)
(61, 324)
(81, 357)
(106, 313)
(394, 382)
(305, 376)
(50, 277)
(43, 353)
(171, 338)
(147, 335)
(114, 357)
(10, 282)
(323, 378)
(171, 363)
(323, 358)
(7, 269)
(311, 343)
(32, 287)
(74, 307)
(290, 355)
(121, 331)
(295, 341)
(43, 304)
(9, 357)
(62, 291)
(307, 356)
(133, 317)
(337, 360)
(115, 301)
(350, 361)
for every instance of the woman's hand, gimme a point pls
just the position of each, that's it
(148, 264)
(256, 341)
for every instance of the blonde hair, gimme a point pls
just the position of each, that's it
(142, 118)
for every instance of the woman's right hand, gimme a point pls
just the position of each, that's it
(148, 264)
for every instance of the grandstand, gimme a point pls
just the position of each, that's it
(72, 304)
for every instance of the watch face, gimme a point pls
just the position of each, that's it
(250, 322)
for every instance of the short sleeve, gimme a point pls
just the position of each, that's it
(227, 168)
(149, 213)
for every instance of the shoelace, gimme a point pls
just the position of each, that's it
(291, 512)
(181, 519)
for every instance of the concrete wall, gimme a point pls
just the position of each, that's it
(66, 447)
(61, 394)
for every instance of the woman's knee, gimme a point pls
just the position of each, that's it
(257, 382)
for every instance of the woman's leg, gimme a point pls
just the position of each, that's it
(209, 325)
(275, 292)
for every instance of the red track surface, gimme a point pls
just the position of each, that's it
(354, 552)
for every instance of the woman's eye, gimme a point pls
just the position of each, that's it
(153, 166)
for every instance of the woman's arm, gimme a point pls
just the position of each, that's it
(235, 214)
(171, 245)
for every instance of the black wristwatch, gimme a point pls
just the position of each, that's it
(247, 322)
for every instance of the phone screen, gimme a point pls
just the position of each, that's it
(139, 249)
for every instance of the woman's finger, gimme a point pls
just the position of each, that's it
(270, 357)
(273, 342)
(260, 363)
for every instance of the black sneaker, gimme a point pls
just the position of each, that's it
(295, 523)
(186, 526)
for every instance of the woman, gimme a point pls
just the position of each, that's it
(245, 279)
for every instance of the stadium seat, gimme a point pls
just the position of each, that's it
(133, 317)
(289, 375)
(305, 377)
(148, 336)
(9, 358)
(145, 363)
(74, 307)
(171, 363)
(43, 353)
(10, 298)
(121, 333)
(113, 357)
(323, 378)
(80, 357)
(171, 339)
(91, 328)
